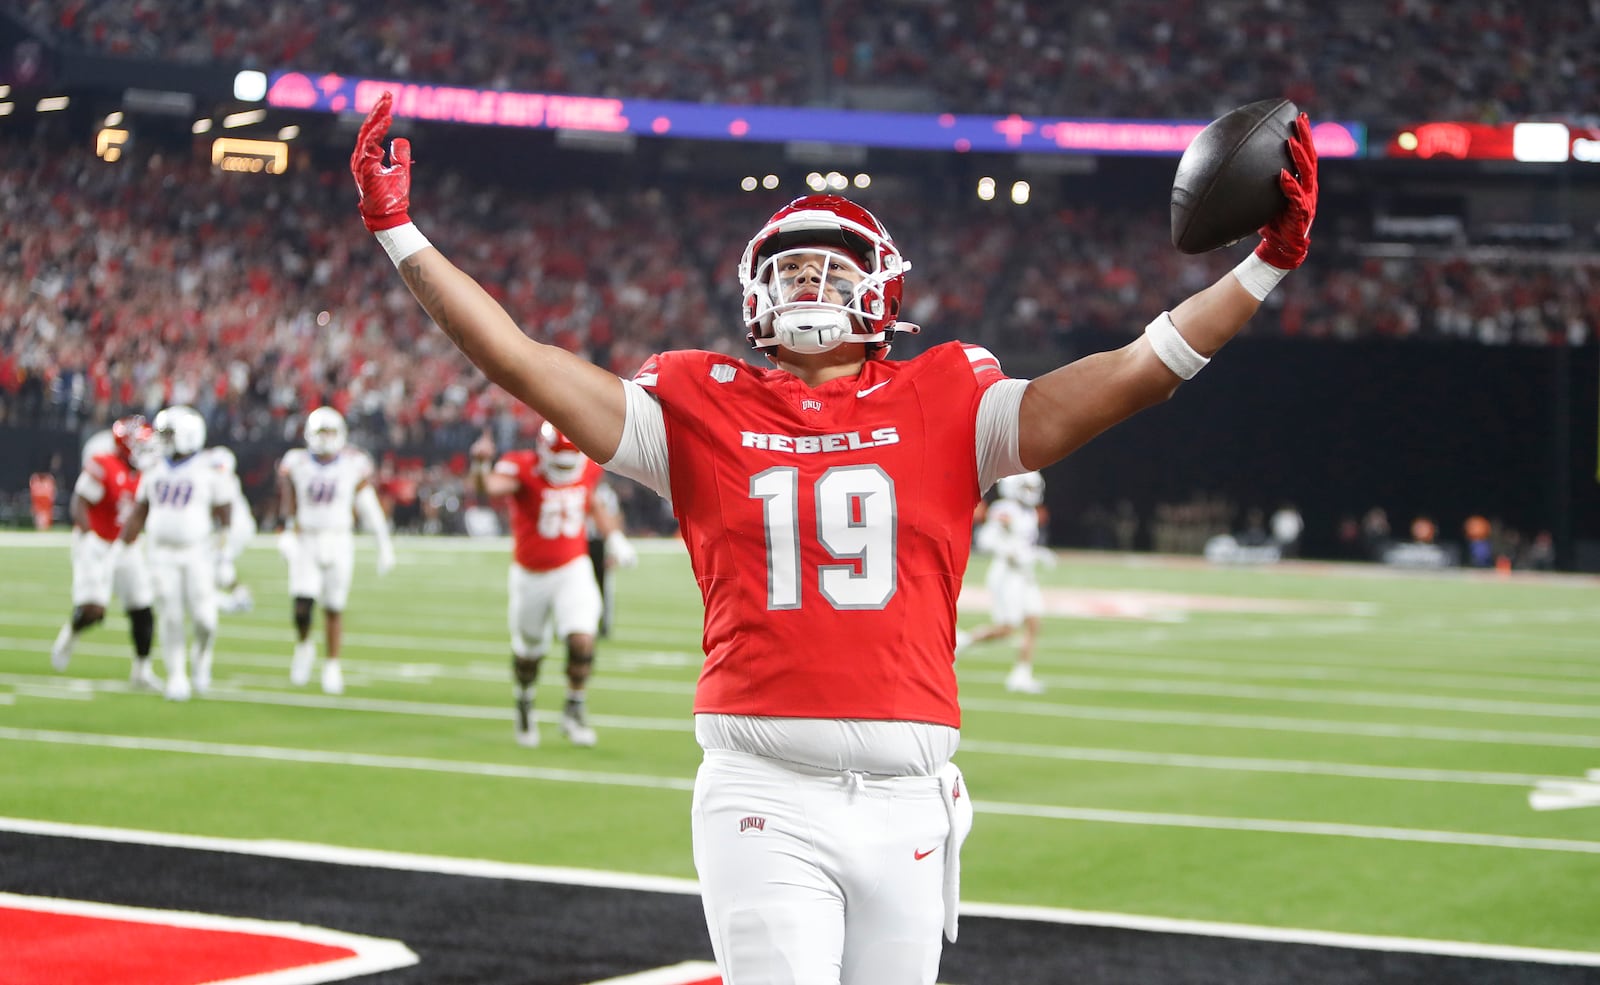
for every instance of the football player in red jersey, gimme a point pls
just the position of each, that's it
(826, 502)
(102, 499)
(551, 584)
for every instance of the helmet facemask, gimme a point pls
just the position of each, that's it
(811, 299)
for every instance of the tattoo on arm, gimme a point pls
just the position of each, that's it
(431, 297)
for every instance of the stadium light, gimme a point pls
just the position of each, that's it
(289, 132)
(114, 119)
(250, 156)
(1020, 192)
(201, 126)
(51, 104)
(5, 91)
(837, 180)
(816, 182)
(1547, 143)
(250, 86)
(748, 183)
(986, 189)
(244, 119)
(863, 180)
(108, 144)
(769, 182)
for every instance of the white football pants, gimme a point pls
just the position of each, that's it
(186, 585)
(814, 877)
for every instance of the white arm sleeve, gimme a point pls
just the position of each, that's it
(999, 452)
(642, 453)
(371, 513)
(89, 488)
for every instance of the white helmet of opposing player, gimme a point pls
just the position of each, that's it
(181, 429)
(326, 432)
(1026, 488)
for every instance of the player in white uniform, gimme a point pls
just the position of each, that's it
(1010, 536)
(235, 595)
(320, 488)
(182, 498)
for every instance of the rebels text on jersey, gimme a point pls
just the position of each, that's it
(548, 522)
(828, 527)
(109, 485)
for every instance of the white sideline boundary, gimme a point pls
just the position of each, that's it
(483, 868)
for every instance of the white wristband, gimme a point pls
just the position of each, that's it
(1257, 276)
(402, 241)
(1172, 348)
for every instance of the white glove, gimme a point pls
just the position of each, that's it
(1045, 556)
(226, 574)
(385, 558)
(288, 545)
(620, 553)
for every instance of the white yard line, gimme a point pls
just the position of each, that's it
(686, 784)
(488, 869)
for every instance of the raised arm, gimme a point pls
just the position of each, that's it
(584, 401)
(485, 480)
(1063, 409)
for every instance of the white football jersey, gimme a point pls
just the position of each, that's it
(181, 496)
(1010, 532)
(325, 492)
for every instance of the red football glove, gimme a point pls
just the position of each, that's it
(385, 191)
(1286, 239)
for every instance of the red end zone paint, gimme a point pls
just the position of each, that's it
(47, 941)
(57, 949)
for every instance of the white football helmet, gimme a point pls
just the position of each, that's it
(181, 430)
(1026, 488)
(560, 461)
(326, 432)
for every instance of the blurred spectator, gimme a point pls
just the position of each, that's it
(1287, 526)
(1373, 60)
(1480, 552)
(42, 494)
(1540, 554)
(1376, 537)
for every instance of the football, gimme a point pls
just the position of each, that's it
(1227, 182)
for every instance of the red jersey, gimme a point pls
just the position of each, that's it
(110, 490)
(828, 527)
(42, 489)
(548, 521)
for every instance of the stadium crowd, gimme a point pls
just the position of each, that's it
(1372, 60)
(255, 298)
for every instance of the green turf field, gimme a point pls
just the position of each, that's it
(1337, 748)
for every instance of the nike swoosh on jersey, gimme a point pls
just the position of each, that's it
(919, 856)
(863, 393)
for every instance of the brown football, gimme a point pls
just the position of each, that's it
(1227, 182)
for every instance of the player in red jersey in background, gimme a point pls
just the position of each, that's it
(551, 585)
(42, 498)
(102, 499)
(827, 507)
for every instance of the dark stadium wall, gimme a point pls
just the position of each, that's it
(1441, 430)
(1421, 429)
